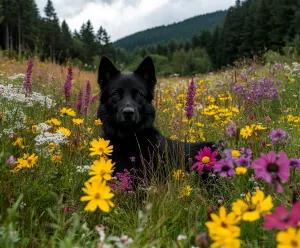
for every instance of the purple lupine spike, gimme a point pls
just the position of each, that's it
(68, 85)
(189, 109)
(94, 98)
(27, 84)
(79, 103)
(87, 97)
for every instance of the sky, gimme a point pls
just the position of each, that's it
(124, 17)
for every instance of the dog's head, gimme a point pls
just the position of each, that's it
(126, 99)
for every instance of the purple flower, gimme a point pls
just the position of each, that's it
(122, 182)
(94, 98)
(295, 163)
(255, 91)
(247, 153)
(273, 169)
(231, 129)
(87, 97)
(68, 85)
(189, 109)
(225, 167)
(27, 84)
(11, 160)
(278, 136)
(78, 104)
(243, 161)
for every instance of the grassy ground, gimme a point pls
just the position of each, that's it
(40, 206)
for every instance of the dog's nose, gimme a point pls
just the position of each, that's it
(128, 113)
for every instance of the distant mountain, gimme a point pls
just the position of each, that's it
(179, 31)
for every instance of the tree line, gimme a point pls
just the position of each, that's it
(24, 32)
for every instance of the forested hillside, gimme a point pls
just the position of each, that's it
(178, 31)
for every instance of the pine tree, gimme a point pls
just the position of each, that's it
(1, 12)
(106, 37)
(100, 35)
(51, 33)
(66, 41)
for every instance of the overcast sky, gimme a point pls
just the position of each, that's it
(124, 17)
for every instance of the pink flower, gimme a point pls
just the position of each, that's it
(282, 219)
(206, 159)
(273, 169)
(11, 160)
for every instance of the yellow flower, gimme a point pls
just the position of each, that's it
(51, 146)
(53, 122)
(69, 112)
(25, 162)
(254, 207)
(246, 132)
(56, 158)
(222, 221)
(98, 122)
(241, 170)
(64, 131)
(289, 238)
(100, 147)
(258, 127)
(34, 128)
(31, 160)
(235, 153)
(186, 191)
(98, 195)
(77, 121)
(226, 238)
(19, 142)
(101, 169)
(89, 130)
(178, 175)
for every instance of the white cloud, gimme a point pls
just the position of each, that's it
(124, 17)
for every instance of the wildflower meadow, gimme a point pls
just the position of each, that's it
(57, 182)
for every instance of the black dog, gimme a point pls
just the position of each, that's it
(128, 115)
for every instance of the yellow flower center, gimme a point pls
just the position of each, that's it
(294, 243)
(205, 160)
(101, 150)
(97, 196)
(223, 224)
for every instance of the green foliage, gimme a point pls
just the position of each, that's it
(179, 31)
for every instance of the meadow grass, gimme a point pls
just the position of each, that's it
(41, 207)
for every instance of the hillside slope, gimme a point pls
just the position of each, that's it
(180, 31)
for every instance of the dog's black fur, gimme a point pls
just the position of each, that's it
(128, 116)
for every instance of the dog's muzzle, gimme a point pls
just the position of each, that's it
(128, 114)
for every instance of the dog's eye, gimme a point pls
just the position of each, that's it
(116, 94)
(138, 95)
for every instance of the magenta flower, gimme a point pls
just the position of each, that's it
(273, 169)
(123, 182)
(27, 84)
(231, 129)
(295, 163)
(282, 219)
(224, 167)
(189, 109)
(78, 104)
(206, 159)
(87, 97)
(278, 136)
(68, 85)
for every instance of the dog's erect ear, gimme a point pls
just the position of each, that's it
(146, 70)
(107, 70)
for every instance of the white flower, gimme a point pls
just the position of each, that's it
(47, 138)
(181, 237)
